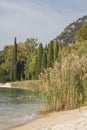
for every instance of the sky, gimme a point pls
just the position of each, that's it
(42, 19)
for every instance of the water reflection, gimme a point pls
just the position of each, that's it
(17, 96)
(17, 105)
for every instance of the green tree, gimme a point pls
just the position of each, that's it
(39, 55)
(7, 58)
(14, 62)
(56, 50)
(36, 68)
(31, 45)
(81, 34)
(21, 60)
(2, 59)
(44, 60)
(3, 76)
(50, 59)
(32, 67)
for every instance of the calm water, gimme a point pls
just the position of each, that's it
(17, 107)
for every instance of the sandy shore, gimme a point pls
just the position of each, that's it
(6, 85)
(67, 120)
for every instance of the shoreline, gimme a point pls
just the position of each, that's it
(25, 123)
(5, 85)
(8, 85)
(65, 120)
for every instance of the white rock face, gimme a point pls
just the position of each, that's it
(85, 20)
(80, 21)
(69, 31)
(72, 26)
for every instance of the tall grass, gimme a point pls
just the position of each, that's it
(63, 85)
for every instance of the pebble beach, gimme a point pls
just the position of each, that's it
(66, 120)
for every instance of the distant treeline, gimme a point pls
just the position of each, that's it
(25, 61)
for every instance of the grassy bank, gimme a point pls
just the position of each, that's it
(33, 85)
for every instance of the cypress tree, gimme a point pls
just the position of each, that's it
(44, 60)
(14, 62)
(36, 69)
(56, 50)
(50, 59)
(39, 56)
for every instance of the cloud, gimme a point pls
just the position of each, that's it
(40, 19)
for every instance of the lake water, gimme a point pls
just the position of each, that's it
(17, 106)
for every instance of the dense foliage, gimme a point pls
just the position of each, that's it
(65, 85)
(82, 33)
(25, 61)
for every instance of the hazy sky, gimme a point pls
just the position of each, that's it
(42, 19)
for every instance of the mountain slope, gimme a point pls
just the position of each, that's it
(67, 37)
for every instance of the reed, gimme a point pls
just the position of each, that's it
(63, 85)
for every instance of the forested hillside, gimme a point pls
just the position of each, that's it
(68, 36)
